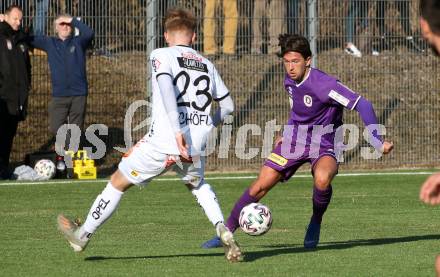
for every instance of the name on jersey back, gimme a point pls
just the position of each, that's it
(193, 118)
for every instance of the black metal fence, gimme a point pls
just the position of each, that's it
(374, 47)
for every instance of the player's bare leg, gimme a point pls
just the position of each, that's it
(266, 180)
(103, 207)
(437, 266)
(324, 171)
(119, 181)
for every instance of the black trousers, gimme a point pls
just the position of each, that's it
(8, 129)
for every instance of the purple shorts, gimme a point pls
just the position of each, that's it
(288, 167)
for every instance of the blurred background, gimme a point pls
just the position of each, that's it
(373, 47)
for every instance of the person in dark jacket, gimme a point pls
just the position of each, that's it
(67, 62)
(15, 75)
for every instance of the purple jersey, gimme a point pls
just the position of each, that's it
(318, 103)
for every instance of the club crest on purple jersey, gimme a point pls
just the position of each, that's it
(318, 100)
(308, 100)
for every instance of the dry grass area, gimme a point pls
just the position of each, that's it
(403, 86)
(114, 83)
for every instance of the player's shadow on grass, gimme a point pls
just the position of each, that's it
(103, 258)
(281, 249)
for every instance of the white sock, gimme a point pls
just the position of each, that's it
(103, 207)
(208, 201)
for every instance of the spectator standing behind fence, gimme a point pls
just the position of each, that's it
(358, 9)
(39, 22)
(404, 15)
(24, 7)
(230, 13)
(275, 12)
(293, 18)
(67, 61)
(15, 80)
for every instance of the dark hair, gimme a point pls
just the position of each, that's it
(180, 19)
(430, 11)
(294, 43)
(11, 7)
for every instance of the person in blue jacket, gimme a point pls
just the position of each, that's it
(66, 53)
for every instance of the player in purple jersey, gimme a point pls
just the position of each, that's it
(317, 102)
(430, 27)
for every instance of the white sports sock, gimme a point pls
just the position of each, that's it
(208, 201)
(103, 207)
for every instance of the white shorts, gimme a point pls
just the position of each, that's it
(142, 163)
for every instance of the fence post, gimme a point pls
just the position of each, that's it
(312, 23)
(151, 38)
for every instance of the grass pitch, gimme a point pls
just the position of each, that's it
(375, 226)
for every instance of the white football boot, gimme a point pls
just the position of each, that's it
(232, 250)
(70, 231)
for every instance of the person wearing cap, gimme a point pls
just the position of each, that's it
(66, 54)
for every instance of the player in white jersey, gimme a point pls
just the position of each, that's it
(197, 84)
(184, 86)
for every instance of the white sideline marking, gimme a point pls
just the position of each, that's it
(17, 183)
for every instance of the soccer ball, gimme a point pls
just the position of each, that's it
(45, 169)
(255, 219)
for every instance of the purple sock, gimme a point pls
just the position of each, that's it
(321, 200)
(245, 199)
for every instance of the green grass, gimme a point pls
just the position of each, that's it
(375, 226)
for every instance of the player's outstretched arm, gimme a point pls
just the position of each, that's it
(387, 147)
(226, 107)
(278, 140)
(430, 190)
(169, 100)
(182, 146)
(368, 116)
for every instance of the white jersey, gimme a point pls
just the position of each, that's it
(196, 84)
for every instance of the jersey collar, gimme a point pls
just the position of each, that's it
(293, 82)
(305, 78)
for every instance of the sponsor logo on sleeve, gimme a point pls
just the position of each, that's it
(279, 160)
(339, 98)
